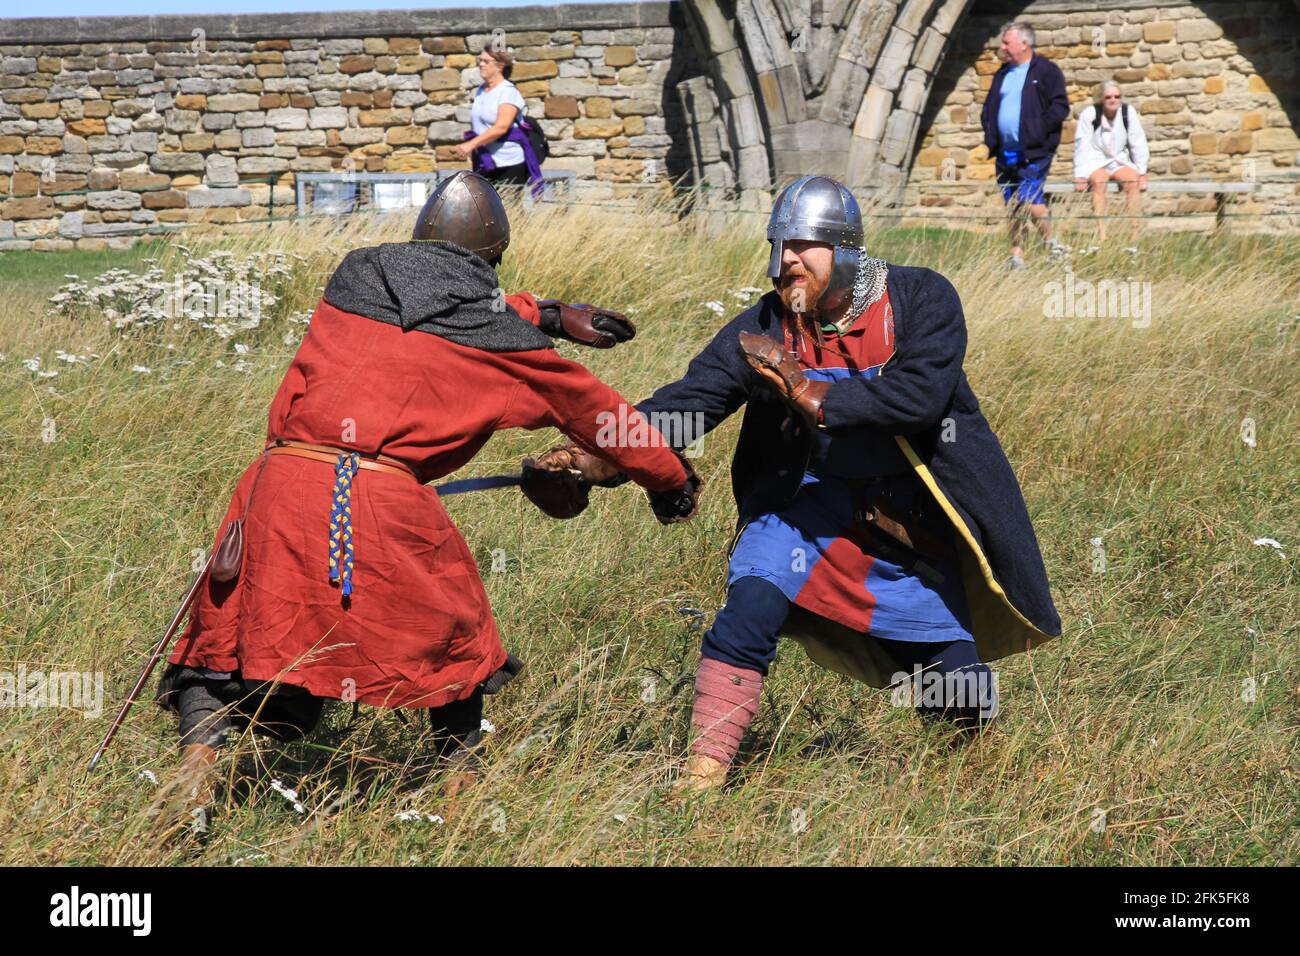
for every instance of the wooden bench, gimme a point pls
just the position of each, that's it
(1165, 186)
(1221, 191)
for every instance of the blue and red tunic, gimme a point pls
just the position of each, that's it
(816, 550)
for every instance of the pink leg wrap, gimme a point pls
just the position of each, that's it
(726, 700)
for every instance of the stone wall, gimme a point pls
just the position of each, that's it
(1215, 84)
(115, 127)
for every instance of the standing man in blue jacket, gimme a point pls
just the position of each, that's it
(1022, 120)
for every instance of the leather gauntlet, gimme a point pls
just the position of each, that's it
(590, 468)
(679, 504)
(779, 366)
(560, 493)
(560, 482)
(584, 324)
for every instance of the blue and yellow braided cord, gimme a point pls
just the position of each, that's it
(341, 520)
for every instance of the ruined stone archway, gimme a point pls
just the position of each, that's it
(842, 86)
(833, 85)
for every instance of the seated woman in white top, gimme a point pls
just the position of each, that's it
(497, 102)
(1109, 143)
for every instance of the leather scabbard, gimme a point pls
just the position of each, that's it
(910, 535)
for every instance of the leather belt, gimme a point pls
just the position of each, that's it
(330, 455)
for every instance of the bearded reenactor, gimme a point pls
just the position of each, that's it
(880, 524)
(337, 573)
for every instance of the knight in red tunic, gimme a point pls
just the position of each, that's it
(354, 584)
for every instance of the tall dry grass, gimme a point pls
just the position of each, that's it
(1130, 435)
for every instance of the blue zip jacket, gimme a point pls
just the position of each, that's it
(1044, 106)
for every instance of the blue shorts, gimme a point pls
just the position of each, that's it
(1024, 182)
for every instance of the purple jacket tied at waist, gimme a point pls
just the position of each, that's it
(483, 163)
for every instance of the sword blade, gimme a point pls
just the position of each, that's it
(462, 485)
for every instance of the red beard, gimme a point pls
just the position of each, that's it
(800, 298)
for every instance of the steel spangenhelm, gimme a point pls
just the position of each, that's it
(466, 210)
(819, 209)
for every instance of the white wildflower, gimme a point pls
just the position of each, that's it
(144, 370)
(486, 726)
(149, 775)
(409, 816)
(1270, 543)
(34, 365)
(220, 292)
(717, 307)
(288, 794)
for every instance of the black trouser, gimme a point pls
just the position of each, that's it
(744, 634)
(210, 708)
(516, 175)
(458, 724)
(966, 684)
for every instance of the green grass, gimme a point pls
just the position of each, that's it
(34, 272)
(1127, 434)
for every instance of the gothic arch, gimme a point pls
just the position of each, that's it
(833, 85)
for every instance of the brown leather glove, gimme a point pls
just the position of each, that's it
(779, 366)
(584, 324)
(560, 493)
(681, 504)
(559, 482)
(592, 469)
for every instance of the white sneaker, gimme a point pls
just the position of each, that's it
(1016, 262)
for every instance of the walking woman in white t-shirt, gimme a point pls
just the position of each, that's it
(1109, 143)
(497, 102)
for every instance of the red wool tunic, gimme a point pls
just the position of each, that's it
(417, 630)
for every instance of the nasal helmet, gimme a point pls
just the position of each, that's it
(466, 210)
(819, 209)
